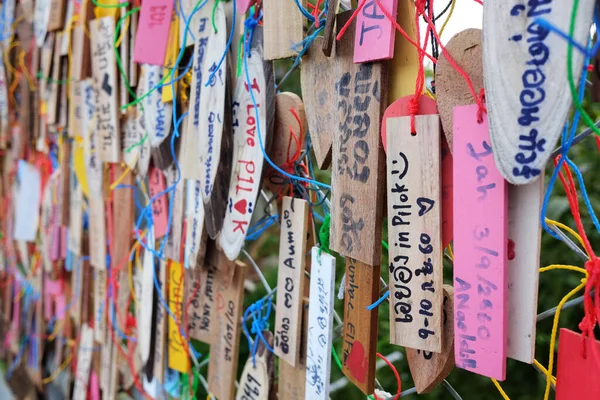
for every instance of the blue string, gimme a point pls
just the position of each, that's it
(260, 322)
(256, 230)
(378, 302)
(549, 26)
(250, 24)
(71, 304)
(212, 74)
(18, 358)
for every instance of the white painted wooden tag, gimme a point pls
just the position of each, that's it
(290, 279)
(320, 325)
(525, 71)
(46, 219)
(4, 124)
(131, 136)
(255, 381)
(8, 15)
(75, 216)
(212, 105)
(194, 215)
(415, 235)
(143, 163)
(105, 76)
(248, 159)
(158, 116)
(84, 361)
(524, 241)
(41, 17)
(99, 305)
(146, 299)
(176, 197)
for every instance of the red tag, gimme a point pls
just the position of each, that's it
(156, 185)
(577, 377)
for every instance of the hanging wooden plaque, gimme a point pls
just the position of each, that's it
(317, 79)
(360, 324)
(176, 198)
(414, 218)
(357, 176)
(105, 81)
(253, 117)
(290, 279)
(427, 368)
(224, 351)
(215, 124)
(195, 235)
(576, 376)
(480, 257)
(291, 381)
(320, 325)
(202, 311)
(526, 80)
(375, 35)
(283, 24)
(257, 375)
(159, 346)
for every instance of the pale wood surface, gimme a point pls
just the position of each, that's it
(525, 231)
(290, 280)
(526, 80)
(222, 368)
(202, 311)
(451, 88)
(257, 375)
(176, 197)
(291, 381)
(283, 25)
(195, 235)
(405, 64)
(415, 237)
(317, 80)
(105, 77)
(358, 172)
(428, 369)
(360, 325)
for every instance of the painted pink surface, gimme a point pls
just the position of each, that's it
(480, 229)
(243, 5)
(63, 241)
(156, 185)
(55, 246)
(577, 376)
(375, 34)
(447, 199)
(399, 108)
(94, 387)
(153, 32)
(51, 290)
(60, 305)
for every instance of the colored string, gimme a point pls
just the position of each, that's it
(260, 322)
(227, 46)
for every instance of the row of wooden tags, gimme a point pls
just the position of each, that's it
(419, 197)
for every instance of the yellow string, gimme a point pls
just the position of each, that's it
(567, 267)
(135, 249)
(447, 19)
(59, 370)
(504, 396)
(450, 253)
(123, 175)
(57, 329)
(124, 30)
(571, 231)
(544, 371)
(26, 71)
(6, 58)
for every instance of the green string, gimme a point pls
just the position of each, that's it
(585, 116)
(110, 5)
(324, 235)
(239, 62)
(213, 16)
(50, 80)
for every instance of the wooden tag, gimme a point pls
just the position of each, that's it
(257, 375)
(360, 325)
(131, 136)
(215, 122)
(524, 241)
(99, 305)
(157, 115)
(317, 78)
(176, 197)
(53, 83)
(201, 17)
(159, 346)
(201, 311)
(283, 24)
(577, 376)
(413, 175)
(195, 234)
(290, 279)
(290, 122)
(291, 381)
(84, 361)
(104, 72)
(450, 86)
(124, 53)
(4, 124)
(144, 148)
(447, 198)
(320, 322)
(146, 299)
(229, 294)
(75, 217)
(480, 273)
(178, 358)
(190, 144)
(153, 32)
(526, 113)
(97, 229)
(247, 153)
(404, 67)
(57, 11)
(80, 49)
(375, 36)
(357, 177)
(171, 58)
(427, 368)
(160, 206)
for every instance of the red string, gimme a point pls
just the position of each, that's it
(315, 11)
(398, 380)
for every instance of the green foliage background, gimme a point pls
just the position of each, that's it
(523, 381)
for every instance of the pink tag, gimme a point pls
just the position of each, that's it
(153, 32)
(55, 246)
(447, 203)
(63, 242)
(243, 5)
(156, 183)
(375, 33)
(60, 303)
(94, 389)
(577, 372)
(480, 261)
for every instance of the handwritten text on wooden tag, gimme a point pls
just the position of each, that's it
(257, 375)
(375, 34)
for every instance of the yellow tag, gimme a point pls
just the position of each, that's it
(178, 358)
(79, 166)
(107, 11)
(43, 108)
(170, 58)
